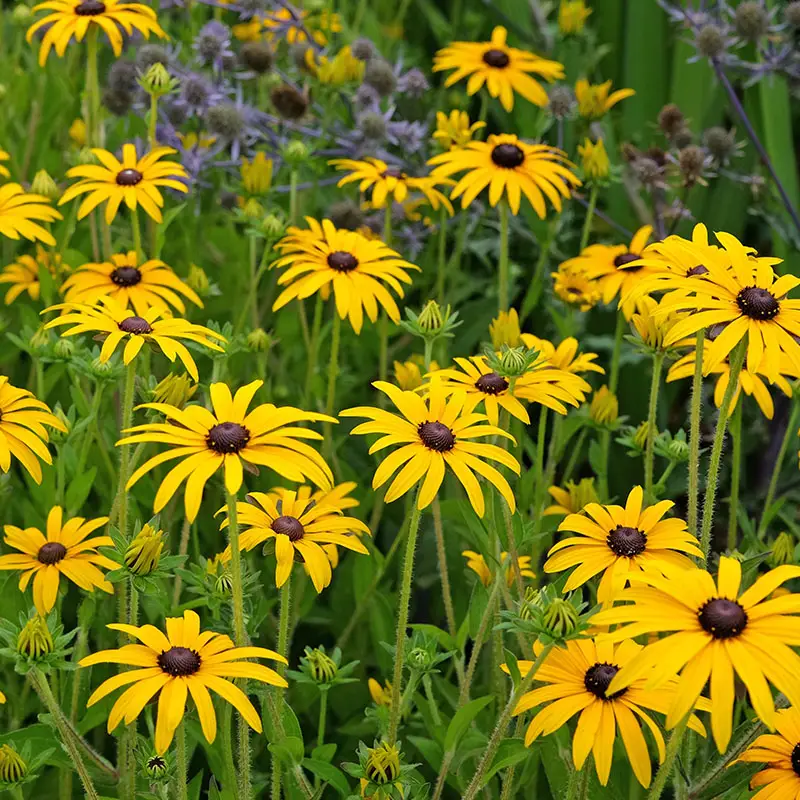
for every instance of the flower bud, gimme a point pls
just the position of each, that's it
(144, 552)
(22, 14)
(174, 390)
(514, 361)
(296, 152)
(156, 767)
(751, 20)
(710, 41)
(40, 339)
(640, 437)
(101, 369)
(604, 408)
(157, 82)
(64, 348)
(595, 161)
(321, 666)
(259, 341)
(220, 572)
(12, 768)
(504, 330)
(782, 549)
(57, 436)
(529, 602)
(419, 658)
(379, 74)
(678, 450)
(257, 174)
(383, 763)
(257, 56)
(35, 639)
(407, 375)
(560, 618)
(430, 318)
(197, 279)
(43, 184)
(272, 226)
(381, 695)
(253, 210)
(572, 16)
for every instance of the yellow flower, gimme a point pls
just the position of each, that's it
(294, 25)
(455, 130)
(77, 133)
(604, 408)
(257, 174)
(780, 752)
(572, 16)
(595, 159)
(4, 173)
(574, 288)
(20, 212)
(594, 100)
(573, 498)
(144, 551)
(434, 434)
(62, 550)
(381, 695)
(508, 167)
(196, 141)
(477, 563)
(407, 375)
(133, 180)
(182, 662)
(504, 330)
(651, 327)
(70, 18)
(565, 356)
(342, 68)
(23, 274)
(505, 70)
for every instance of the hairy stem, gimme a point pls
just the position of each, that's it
(694, 431)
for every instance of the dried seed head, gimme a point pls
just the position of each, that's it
(691, 161)
(225, 121)
(346, 214)
(380, 76)
(671, 120)
(290, 103)
(751, 20)
(710, 41)
(721, 143)
(257, 56)
(791, 14)
(562, 101)
(363, 49)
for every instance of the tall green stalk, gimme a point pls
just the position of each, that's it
(181, 767)
(666, 769)
(694, 431)
(578, 784)
(441, 257)
(503, 266)
(333, 374)
(613, 383)
(137, 235)
(655, 385)
(313, 356)
(587, 222)
(736, 469)
(125, 453)
(283, 649)
(383, 321)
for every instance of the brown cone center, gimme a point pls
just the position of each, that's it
(228, 437)
(179, 661)
(598, 678)
(698, 269)
(496, 58)
(508, 156)
(51, 553)
(126, 276)
(626, 258)
(289, 526)
(129, 177)
(342, 261)
(722, 618)
(436, 436)
(135, 325)
(757, 303)
(491, 383)
(90, 8)
(626, 542)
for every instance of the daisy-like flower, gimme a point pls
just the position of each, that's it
(564, 356)
(572, 498)
(577, 679)
(574, 288)
(749, 299)
(596, 100)
(298, 528)
(509, 168)
(781, 752)
(477, 563)
(356, 268)
(133, 180)
(618, 541)
(390, 183)
(717, 632)
(22, 429)
(381, 695)
(62, 549)
(4, 173)
(74, 18)
(23, 275)
(505, 70)
(229, 437)
(182, 662)
(454, 129)
(21, 212)
(149, 285)
(108, 318)
(435, 433)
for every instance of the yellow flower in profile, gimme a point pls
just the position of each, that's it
(577, 679)
(149, 285)
(717, 631)
(594, 159)
(227, 438)
(566, 356)
(505, 70)
(618, 541)
(62, 549)
(573, 498)
(572, 16)
(296, 25)
(381, 695)
(77, 132)
(23, 274)
(343, 68)
(196, 141)
(21, 212)
(505, 330)
(4, 173)
(297, 528)
(454, 129)
(134, 180)
(434, 434)
(596, 100)
(183, 662)
(652, 327)
(781, 753)
(390, 183)
(22, 429)
(408, 375)
(508, 168)
(604, 408)
(108, 318)
(324, 257)
(574, 288)
(68, 18)
(477, 563)
(257, 174)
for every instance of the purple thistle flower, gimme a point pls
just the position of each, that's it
(213, 45)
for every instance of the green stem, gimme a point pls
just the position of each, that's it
(323, 713)
(441, 261)
(539, 491)
(333, 374)
(283, 648)
(655, 385)
(129, 734)
(578, 784)
(293, 198)
(137, 235)
(402, 619)
(441, 556)
(152, 121)
(89, 436)
(665, 770)
(502, 276)
(736, 469)
(181, 767)
(125, 454)
(92, 89)
(694, 431)
(42, 687)
(313, 356)
(736, 361)
(587, 223)
(428, 684)
(613, 382)
(574, 456)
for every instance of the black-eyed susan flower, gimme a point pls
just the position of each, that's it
(550, 386)
(4, 173)
(229, 437)
(572, 498)
(596, 100)
(617, 541)
(505, 70)
(594, 159)
(748, 299)
(477, 563)
(22, 276)
(182, 662)
(390, 183)
(716, 631)
(565, 355)
(781, 753)
(454, 129)
(435, 433)
(74, 18)
(575, 288)
(509, 168)
(604, 408)
(572, 16)
(22, 429)
(118, 324)
(577, 679)
(381, 694)
(134, 180)
(21, 212)
(62, 549)
(149, 285)
(408, 375)
(324, 257)
(504, 330)
(297, 528)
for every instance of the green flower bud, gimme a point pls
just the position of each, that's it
(12, 768)
(513, 361)
(782, 549)
(259, 341)
(65, 348)
(157, 82)
(321, 666)
(640, 437)
(144, 552)
(272, 227)
(197, 279)
(43, 184)
(430, 318)
(296, 152)
(101, 369)
(175, 390)
(40, 339)
(419, 658)
(219, 571)
(560, 618)
(529, 602)
(56, 436)
(22, 14)
(678, 450)
(156, 767)
(383, 763)
(35, 639)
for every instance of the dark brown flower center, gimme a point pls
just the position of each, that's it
(496, 58)
(491, 383)
(393, 172)
(126, 276)
(129, 177)
(626, 258)
(90, 8)
(228, 437)
(573, 290)
(698, 269)
(508, 156)
(722, 618)
(598, 678)
(757, 303)
(136, 325)
(51, 553)
(179, 661)
(436, 436)
(796, 759)
(289, 526)
(627, 542)
(342, 261)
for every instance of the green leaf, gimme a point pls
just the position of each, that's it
(431, 750)
(513, 667)
(330, 774)
(510, 751)
(324, 752)
(462, 719)
(289, 750)
(79, 489)
(738, 775)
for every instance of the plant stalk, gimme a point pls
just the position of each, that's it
(655, 385)
(694, 431)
